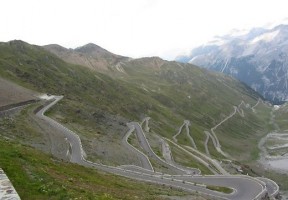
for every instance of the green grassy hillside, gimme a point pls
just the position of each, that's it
(98, 105)
(36, 175)
(203, 97)
(95, 104)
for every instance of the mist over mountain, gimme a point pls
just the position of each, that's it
(257, 58)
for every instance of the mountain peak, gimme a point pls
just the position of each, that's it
(91, 48)
(89, 55)
(18, 43)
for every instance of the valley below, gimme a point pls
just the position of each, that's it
(274, 156)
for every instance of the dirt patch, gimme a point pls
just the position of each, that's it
(11, 93)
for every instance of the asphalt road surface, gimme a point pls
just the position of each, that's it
(244, 187)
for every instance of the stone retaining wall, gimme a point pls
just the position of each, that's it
(7, 191)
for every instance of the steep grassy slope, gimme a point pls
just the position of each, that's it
(97, 106)
(36, 175)
(204, 98)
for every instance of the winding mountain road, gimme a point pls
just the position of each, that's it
(146, 164)
(186, 124)
(213, 135)
(147, 148)
(206, 143)
(245, 187)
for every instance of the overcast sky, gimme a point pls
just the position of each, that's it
(133, 28)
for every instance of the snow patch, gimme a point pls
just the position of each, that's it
(234, 70)
(193, 59)
(266, 37)
(255, 86)
(266, 81)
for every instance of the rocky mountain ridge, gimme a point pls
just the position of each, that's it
(89, 55)
(257, 58)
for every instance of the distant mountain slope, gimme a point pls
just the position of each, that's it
(89, 55)
(169, 92)
(259, 58)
